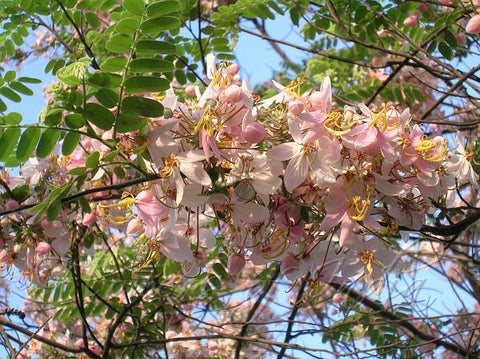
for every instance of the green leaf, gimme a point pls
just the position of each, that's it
(142, 106)
(92, 20)
(119, 43)
(27, 143)
(99, 115)
(114, 64)
(53, 117)
(19, 87)
(10, 76)
(13, 118)
(3, 106)
(104, 79)
(48, 140)
(142, 84)
(136, 7)
(74, 120)
(128, 123)
(107, 97)
(445, 50)
(12, 96)
(155, 47)
(127, 26)
(53, 209)
(73, 74)
(163, 8)
(8, 140)
(156, 25)
(150, 65)
(92, 160)
(70, 142)
(29, 80)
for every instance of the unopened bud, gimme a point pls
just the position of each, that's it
(43, 248)
(235, 264)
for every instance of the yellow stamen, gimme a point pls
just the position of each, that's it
(337, 124)
(276, 245)
(293, 89)
(430, 151)
(358, 208)
(169, 163)
(366, 257)
(125, 205)
(221, 78)
(381, 121)
(206, 122)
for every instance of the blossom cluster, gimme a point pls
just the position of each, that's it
(294, 179)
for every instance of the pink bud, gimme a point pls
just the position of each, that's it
(212, 345)
(190, 90)
(289, 264)
(446, 2)
(5, 257)
(337, 298)
(134, 226)
(89, 219)
(422, 7)
(461, 38)
(473, 25)
(78, 343)
(382, 33)
(94, 349)
(235, 264)
(234, 94)
(411, 21)
(233, 69)
(295, 107)
(254, 132)
(43, 248)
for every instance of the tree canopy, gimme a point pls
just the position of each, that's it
(163, 207)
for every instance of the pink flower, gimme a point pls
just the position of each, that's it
(289, 264)
(473, 25)
(411, 21)
(235, 264)
(461, 38)
(43, 248)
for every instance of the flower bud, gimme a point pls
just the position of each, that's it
(190, 90)
(337, 298)
(382, 33)
(134, 226)
(289, 264)
(411, 21)
(233, 69)
(5, 256)
(254, 132)
(43, 248)
(234, 94)
(295, 107)
(89, 219)
(212, 345)
(446, 2)
(235, 264)
(473, 25)
(422, 7)
(78, 343)
(461, 38)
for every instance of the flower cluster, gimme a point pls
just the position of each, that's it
(293, 179)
